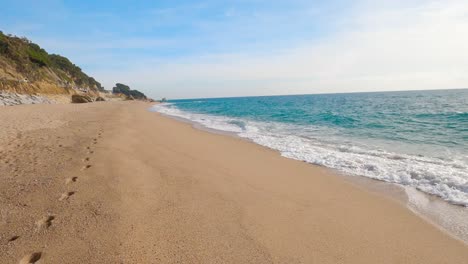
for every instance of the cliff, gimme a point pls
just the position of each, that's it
(127, 92)
(26, 68)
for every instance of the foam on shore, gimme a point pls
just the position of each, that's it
(447, 179)
(443, 178)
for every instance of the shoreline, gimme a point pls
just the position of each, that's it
(138, 187)
(449, 218)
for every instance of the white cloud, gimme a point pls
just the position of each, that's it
(392, 46)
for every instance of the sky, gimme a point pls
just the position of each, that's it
(212, 48)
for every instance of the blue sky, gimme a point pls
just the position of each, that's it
(184, 49)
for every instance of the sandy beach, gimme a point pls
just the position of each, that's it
(114, 183)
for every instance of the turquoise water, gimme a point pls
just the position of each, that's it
(417, 139)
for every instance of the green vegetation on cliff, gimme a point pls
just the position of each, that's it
(125, 89)
(80, 77)
(33, 62)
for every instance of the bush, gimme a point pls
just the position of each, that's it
(38, 55)
(38, 58)
(3, 44)
(64, 64)
(92, 81)
(3, 47)
(121, 88)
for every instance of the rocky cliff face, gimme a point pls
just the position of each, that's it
(8, 99)
(26, 68)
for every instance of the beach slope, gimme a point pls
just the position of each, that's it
(114, 183)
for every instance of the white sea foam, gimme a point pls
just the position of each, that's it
(446, 178)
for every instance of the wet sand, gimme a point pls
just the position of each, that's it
(115, 183)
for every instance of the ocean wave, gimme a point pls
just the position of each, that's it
(446, 178)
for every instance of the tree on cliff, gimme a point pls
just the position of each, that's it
(125, 89)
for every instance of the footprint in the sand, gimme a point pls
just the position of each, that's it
(90, 151)
(44, 222)
(66, 195)
(31, 258)
(86, 159)
(13, 238)
(86, 167)
(70, 180)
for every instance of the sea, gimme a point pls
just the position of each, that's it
(417, 140)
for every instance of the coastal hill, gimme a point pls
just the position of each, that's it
(28, 74)
(26, 68)
(125, 90)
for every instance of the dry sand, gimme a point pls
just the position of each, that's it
(114, 183)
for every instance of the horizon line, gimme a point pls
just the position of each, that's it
(331, 93)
